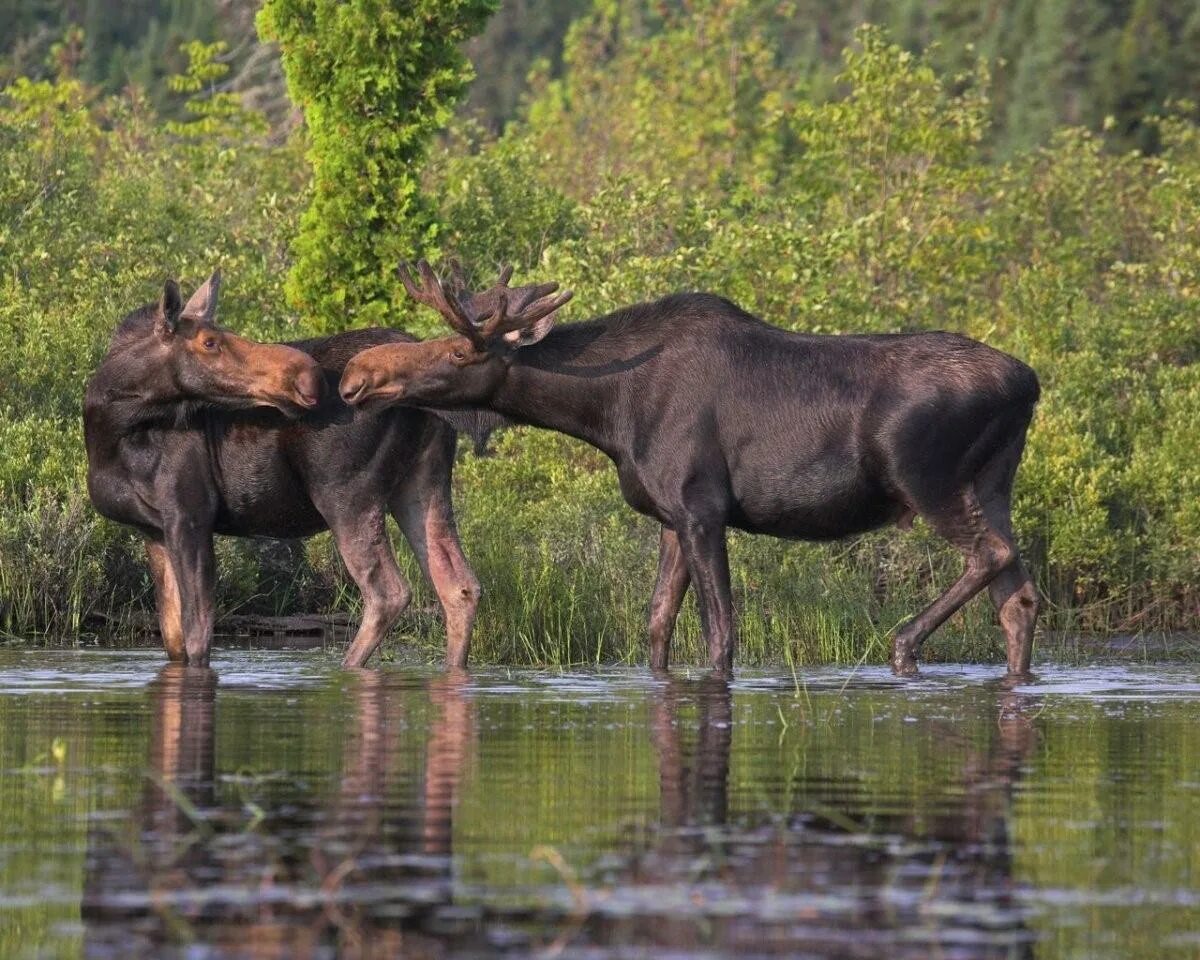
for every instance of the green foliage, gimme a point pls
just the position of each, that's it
(1087, 62)
(107, 44)
(213, 113)
(524, 35)
(646, 168)
(376, 79)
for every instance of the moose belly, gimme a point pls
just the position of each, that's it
(267, 501)
(283, 517)
(823, 500)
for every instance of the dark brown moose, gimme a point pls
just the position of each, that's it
(182, 443)
(715, 419)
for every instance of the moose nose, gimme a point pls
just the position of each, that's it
(353, 386)
(308, 386)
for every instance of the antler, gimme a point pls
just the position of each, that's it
(534, 303)
(446, 302)
(498, 310)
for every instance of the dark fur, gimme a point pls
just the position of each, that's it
(182, 469)
(716, 419)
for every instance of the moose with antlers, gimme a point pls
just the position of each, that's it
(715, 419)
(192, 430)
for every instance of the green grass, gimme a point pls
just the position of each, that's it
(567, 570)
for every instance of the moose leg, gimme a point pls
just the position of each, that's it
(1013, 592)
(703, 543)
(669, 591)
(988, 551)
(166, 599)
(428, 525)
(190, 549)
(363, 544)
(1016, 601)
(424, 509)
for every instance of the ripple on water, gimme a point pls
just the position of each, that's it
(610, 812)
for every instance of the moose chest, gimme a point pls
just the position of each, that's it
(153, 476)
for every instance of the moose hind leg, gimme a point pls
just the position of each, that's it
(365, 549)
(987, 550)
(428, 525)
(669, 590)
(1016, 600)
(1013, 592)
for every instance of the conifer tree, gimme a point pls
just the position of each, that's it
(375, 79)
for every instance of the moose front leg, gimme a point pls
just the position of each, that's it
(703, 543)
(166, 600)
(669, 590)
(430, 530)
(190, 549)
(424, 510)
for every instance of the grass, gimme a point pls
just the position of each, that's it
(567, 571)
(548, 602)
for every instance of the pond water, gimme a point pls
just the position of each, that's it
(277, 806)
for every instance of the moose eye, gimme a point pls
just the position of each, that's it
(211, 344)
(458, 354)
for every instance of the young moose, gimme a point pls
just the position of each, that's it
(715, 419)
(176, 450)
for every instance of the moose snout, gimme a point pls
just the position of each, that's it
(372, 378)
(354, 386)
(308, 385)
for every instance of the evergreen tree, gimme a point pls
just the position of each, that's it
(376, 80)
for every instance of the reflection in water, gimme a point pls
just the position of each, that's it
(191, 869)
(827, 877)
(294, 810)
(378, 878)
(136, 865)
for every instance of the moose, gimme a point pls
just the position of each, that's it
(192, 430)
(715, 419)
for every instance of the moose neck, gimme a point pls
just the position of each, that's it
(131, 391)
(556, 385)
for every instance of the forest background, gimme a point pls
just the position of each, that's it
(1026, 172)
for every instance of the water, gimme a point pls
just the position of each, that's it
(279, 807)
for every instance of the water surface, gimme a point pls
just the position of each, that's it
(277, 806)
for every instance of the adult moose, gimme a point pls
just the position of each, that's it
(716, 419)
(182, 443)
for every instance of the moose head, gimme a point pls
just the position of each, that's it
(191, 357)
(462, 369)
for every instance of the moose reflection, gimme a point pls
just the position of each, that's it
(827, 875)
(190, 868)
(746, 845)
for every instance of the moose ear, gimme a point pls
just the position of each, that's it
(527, 336)
(168, 309)
(203, 303)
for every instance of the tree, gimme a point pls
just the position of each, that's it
(375, 79)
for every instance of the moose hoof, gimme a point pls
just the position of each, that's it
(904, 662)
(1016, 678)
